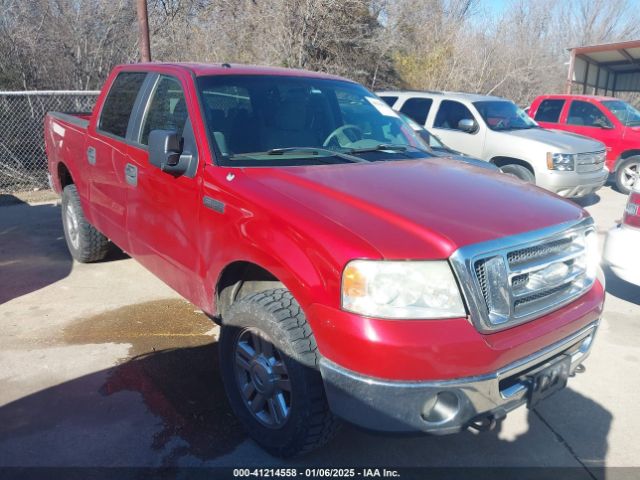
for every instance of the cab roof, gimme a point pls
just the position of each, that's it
(204, 69)
(471, 97)
(579, 97)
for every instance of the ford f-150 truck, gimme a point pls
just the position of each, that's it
(608, 119)
(354, 275)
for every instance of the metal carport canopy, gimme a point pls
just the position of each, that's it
(607, 68)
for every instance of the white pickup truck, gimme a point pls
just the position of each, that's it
(496, 130)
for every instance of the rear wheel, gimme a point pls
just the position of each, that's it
(85, 243)
(269, 358)
(628, 174)
(523, 173)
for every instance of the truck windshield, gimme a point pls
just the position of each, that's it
(280, 120)
(624, 112)
(504, 115)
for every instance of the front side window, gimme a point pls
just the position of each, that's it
(586, 114)
(118, 105)
(628, 115)
(450, 113)
(549, 110)
(280, 120)
(504, 115)
(167, 110)
(417, 109)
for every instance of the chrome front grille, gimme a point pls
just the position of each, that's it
(590, 162)
(525, 254)
(512, 280)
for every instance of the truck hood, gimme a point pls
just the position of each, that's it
(419, 208)
(557, 141)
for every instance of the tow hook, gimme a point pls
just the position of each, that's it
(483, 424)
(579, 369)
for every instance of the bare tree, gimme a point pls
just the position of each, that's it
(64, 43)
(423, 44)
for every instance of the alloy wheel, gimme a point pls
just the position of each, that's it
(630, 175)
(262, 378)
(73, 225)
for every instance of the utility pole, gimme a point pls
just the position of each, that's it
(143, 31)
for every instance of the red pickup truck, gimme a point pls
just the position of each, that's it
(610, 120)
(354, 275)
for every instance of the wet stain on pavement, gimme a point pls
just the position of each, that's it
(173, 364)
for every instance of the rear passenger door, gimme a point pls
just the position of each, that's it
(162, 209)
(105, 157)
(445, 126)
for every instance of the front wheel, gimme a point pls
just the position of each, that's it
(518, 171)
(268, 357)
(628, 174)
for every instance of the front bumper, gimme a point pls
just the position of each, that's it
(441, 407)
(573, 184)
(621, 253)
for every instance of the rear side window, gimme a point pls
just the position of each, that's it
(389, 100)
(167, 110)
(119, 103)
(450, 113)
(586, 114)
(417, 109)
(549, 110)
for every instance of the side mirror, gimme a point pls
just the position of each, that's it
(165, 152)
(606, 126)
(467, 125)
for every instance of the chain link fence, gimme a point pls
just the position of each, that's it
(23, 163)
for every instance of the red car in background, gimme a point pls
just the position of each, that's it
(612, 121)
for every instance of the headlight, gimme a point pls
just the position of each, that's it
(561, 161)
(401, 289)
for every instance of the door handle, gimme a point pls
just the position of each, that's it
(91, 155)
(131, 174)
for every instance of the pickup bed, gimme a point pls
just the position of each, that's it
(354, 275)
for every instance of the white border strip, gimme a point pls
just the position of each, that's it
(48, 92)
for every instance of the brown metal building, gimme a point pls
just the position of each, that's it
(605, 69)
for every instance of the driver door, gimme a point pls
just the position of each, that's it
(586, 118)
(445, 126)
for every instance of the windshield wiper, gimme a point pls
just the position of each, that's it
(390, 148)
(515, 127)
(315, 151)
(380, 148)
(311, 150)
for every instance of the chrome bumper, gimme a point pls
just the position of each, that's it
(441, 407)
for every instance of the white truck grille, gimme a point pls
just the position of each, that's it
(590, 162)
(509, 281)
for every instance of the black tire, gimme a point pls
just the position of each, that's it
(631, 163)
(85, 243)
(276, 316)
(523, 173)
